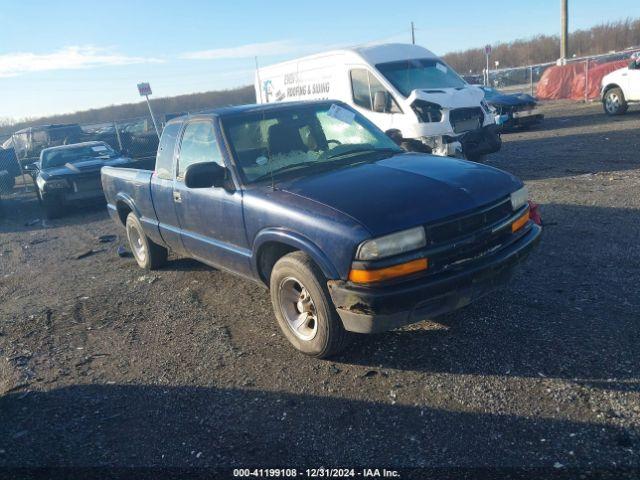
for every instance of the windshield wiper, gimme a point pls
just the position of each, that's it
(284, 168)
(359, 151)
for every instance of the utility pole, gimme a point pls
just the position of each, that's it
(413, 34)
(564, 31)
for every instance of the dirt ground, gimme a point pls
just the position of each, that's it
(103, 364)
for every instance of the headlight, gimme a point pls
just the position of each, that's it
(519, 198)
(392, 244)
(54, 184)
(40, 182)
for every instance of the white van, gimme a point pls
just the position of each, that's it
(398, 87)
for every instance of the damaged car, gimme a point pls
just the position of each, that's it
(350, 233)
(70, 175)
(512, 110)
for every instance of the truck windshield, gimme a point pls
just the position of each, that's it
(57, 157)
(303, 139)
(423, 73)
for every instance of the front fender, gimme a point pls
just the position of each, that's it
(296, 241)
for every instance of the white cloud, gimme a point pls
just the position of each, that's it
(265, 49)
(67, 58)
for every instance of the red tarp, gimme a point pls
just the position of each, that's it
(568, 81)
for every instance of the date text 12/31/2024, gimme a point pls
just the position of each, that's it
(315, 473)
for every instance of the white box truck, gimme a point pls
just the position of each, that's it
(404, 89)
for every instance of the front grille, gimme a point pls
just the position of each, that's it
(450, 230)
(465, 239)
(87, 184)
(466, 119)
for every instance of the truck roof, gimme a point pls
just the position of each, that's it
(372, 54)
(254, 108)
(48, 127)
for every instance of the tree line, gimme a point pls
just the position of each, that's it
(194, 102)
(602, 38)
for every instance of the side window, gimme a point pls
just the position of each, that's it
(376, 86)
(164, 158)
(360, 88)
(198, 145)
(364, 86)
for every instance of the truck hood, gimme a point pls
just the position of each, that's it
(512, 100)
(90, 165)
(449, 97)
(405, 190)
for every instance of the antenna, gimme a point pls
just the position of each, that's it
(258, 80)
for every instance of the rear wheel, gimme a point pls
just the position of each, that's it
(303, 307)
(614, 102)
(148, 254)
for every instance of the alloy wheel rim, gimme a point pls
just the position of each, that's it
(137, 245)
(612, 102)
(298, 309)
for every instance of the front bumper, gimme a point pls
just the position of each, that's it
(370, 309)
(522, 120)
(481, 142)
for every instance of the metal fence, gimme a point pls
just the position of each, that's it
(526, 78)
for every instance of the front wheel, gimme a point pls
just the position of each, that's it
(303, 307)
(614, 102)
(148, 254)
(51, 207)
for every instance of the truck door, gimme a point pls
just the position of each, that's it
(633, 81)
(211, 220)
(364, 86)
(162, 187)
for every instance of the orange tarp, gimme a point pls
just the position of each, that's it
(568, 81)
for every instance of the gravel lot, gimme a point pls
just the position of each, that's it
(103, 364)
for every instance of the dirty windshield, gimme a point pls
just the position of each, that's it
(425, 73)
(303, 140)
(57, 157)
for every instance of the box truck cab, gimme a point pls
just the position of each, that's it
(401, 88)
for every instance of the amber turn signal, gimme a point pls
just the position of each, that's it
(520, 222)
(370, 276)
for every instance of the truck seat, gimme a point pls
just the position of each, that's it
(285, 138)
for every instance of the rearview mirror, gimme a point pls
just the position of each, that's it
(380, 101)
(205, 175)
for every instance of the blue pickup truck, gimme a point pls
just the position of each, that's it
(349, 232)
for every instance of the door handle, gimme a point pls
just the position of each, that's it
(177, 197)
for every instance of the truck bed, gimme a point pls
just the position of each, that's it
(130, 188)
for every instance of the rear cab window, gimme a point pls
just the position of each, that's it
(198, 145)
(164, 158)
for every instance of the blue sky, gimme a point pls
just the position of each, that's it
(62, 56)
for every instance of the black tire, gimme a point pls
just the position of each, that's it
(50, 207)
(148, 254)
(330, 336)
(614, 103)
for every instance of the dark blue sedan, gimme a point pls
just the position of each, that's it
(512, 110)
(69, 175)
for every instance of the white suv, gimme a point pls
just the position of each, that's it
(621, 87)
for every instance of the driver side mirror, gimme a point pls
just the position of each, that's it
(380, 101)
(31, 167)
(205, 175)
(633, 64)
